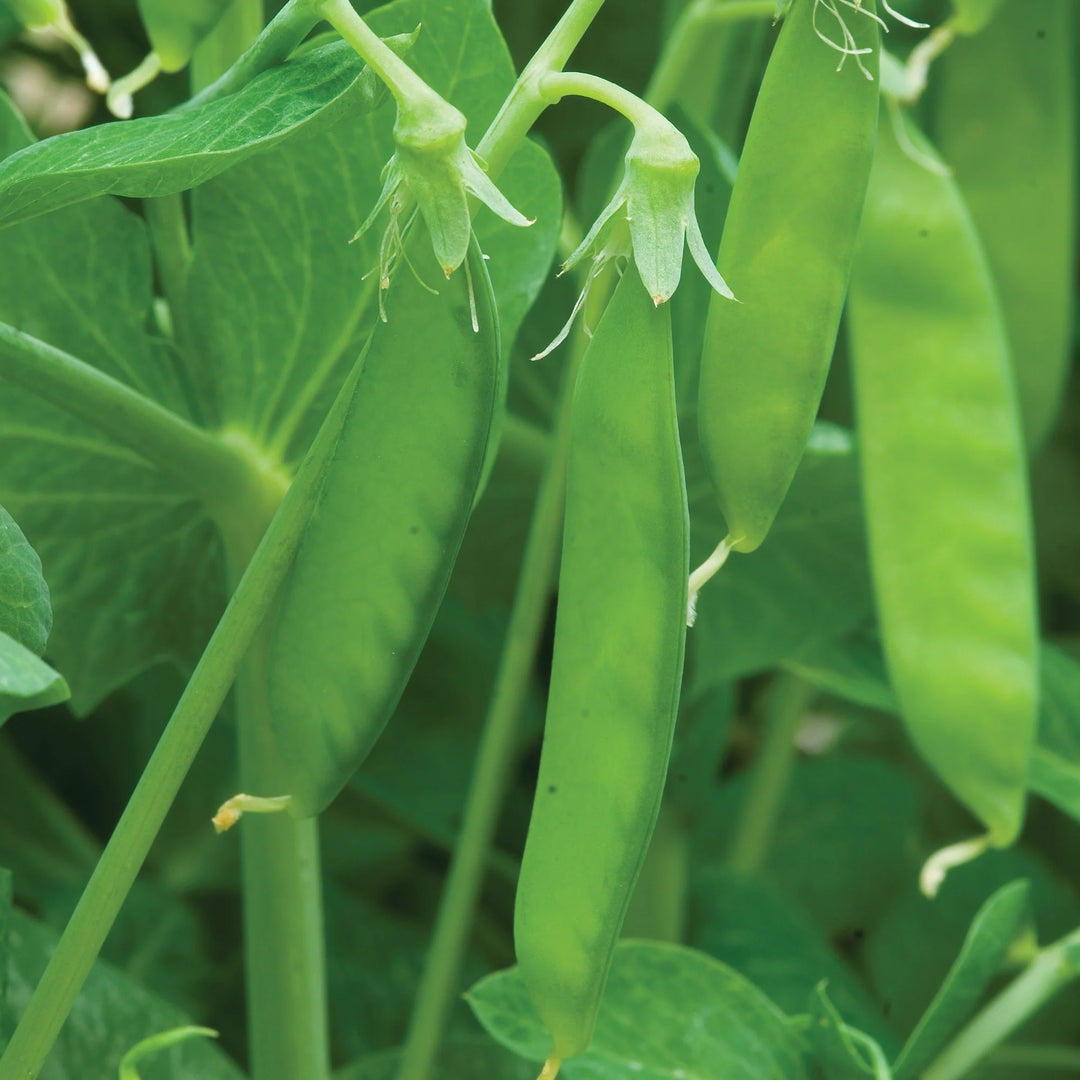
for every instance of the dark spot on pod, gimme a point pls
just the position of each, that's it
(1040, 34)
(414, 529)
(924, 233)
(682, 778)
(552, 789)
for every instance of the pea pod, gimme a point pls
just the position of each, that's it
(175, 29)
(786, 252)
(619, 637)
(1004, 113)
(945, 485)
(376, 557)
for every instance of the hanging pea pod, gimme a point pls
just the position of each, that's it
(786, 252)
(619, 638)
(1004, 111)
(37, 14)
(945, 486)
(376, 557)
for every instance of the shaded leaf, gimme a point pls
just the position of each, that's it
(667, 1011)
(25, 614)
(459, 1059)
(987, 941)
(26, 682)
(111, 1015)
(843, 1052)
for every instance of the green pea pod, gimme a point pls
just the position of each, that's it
(786, 253)
(619, 637)
(376, 557)
(36, 13)
(945, 484)
(175, 27)
(1005, 122)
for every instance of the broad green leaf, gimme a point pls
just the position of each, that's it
(6, 1022)
(667, 1011)
(981, 956)
(160, 155)
(459, 1059)
(852, 668)
(843, 1052)
(808, 582)
(1059, 719)
(844, 841)
(26, 682)
(111, 1015)
(132, 562)
(25, 614)
(749, 925)
(1056, 779)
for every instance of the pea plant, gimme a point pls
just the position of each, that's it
(495, 583)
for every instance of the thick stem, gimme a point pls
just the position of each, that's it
(788, 699)
(677, 59)
(284, 950)
(126, 851)
(525, 103)
(1053, 968)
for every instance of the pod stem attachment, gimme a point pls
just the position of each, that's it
(704, 573)
(232, 810)
(941, 862)
(121, 96)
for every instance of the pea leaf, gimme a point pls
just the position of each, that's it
(160, 155)
(26, 682)
(667, 1011)
(111, 1015)
(459, 1059)
(750, 925)
(988, 938)
(856, 816)
(808, 582)
(132, 561)
(25, 614)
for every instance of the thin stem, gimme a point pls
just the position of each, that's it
(525, 103)
(498, 742)
(1066, 1058)
(559, 84)
(788, 699)
(684, 42)
(239, 26)
(273, 46)
(126, 850)
(195, 459)
(172, 252)
(1053, 968)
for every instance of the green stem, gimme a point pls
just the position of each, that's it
(685, 40)
(126, 850)
(400, 79)
(1053, 968)
(559, 84)
(238, 28)
(498, 741)
(1066, 1058)
(172, 253)
(284, 950)
(788, 699)
(196, 460)
(525, 103)
(273, 46)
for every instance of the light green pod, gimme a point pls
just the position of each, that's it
(175, 27)
(619, 637)
(786, 252)
(376, 557)
(945, 485)
(1005, 121)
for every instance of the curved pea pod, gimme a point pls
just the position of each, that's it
(619, 638)
(945, 486)
(786, 252)
(175, 27)
(376, 557)
(1004, 112)
(972, 16)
